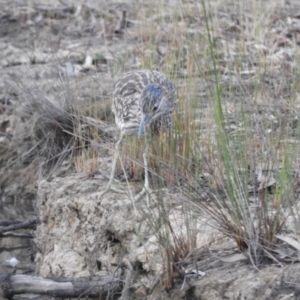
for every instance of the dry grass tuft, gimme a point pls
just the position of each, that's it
(60, 129)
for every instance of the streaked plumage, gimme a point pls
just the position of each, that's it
(126, 100)
(142, 101)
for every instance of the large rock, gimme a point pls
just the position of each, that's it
(82, 234)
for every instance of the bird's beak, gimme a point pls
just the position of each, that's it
(144, 122)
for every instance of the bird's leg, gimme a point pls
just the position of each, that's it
(113, 169)
(146, 190)
(146, 157)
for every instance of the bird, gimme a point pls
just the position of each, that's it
(142, 102)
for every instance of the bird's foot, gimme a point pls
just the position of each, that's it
(145, 191)
(113, 187)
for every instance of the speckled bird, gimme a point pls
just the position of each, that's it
(143, 102)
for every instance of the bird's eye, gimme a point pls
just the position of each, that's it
(155, 108)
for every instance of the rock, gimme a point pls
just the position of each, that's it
(82, 234)
(79, 231)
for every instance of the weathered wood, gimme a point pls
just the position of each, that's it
(11, 249)
(31, 224)
(17, 235)
(96, 286)
(10, 222)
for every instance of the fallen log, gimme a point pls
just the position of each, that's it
(62, 287)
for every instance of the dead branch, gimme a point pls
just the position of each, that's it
(31, 224)
(17, 235)
(96, 286)
(9, 222)
(11, 249)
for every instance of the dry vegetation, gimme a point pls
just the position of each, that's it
(233, 149)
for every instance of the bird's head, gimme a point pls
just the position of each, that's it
(152, 105)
